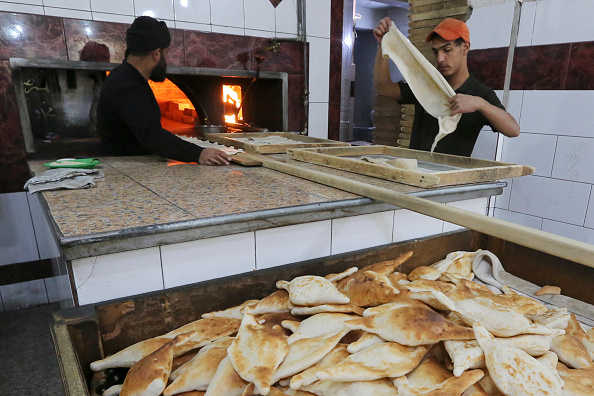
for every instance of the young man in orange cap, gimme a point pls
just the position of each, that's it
(477, 103)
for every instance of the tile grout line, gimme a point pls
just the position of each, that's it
(588, 205)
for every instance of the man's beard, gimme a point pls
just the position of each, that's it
(159, 73)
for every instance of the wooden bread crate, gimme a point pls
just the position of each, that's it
(300, 141)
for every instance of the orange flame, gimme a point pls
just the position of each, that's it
(232, 100)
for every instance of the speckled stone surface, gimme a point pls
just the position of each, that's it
(144, 191)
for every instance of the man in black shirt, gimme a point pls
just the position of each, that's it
(477, 103)
(128, 115)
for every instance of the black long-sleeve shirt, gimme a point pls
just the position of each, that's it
(129, 119)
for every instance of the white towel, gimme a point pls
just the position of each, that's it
(63, 178)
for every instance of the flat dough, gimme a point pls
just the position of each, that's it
(429, 86)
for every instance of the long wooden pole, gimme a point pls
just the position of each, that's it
(579, 252)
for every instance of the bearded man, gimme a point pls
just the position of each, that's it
(128, 115)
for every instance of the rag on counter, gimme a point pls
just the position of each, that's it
(63, 178)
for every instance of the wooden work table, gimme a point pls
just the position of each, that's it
(144, 207)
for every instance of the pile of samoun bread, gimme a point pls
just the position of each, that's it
(370, 331)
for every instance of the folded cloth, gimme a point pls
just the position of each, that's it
(488, 269)
(68, 178)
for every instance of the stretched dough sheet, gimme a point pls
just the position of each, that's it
(429, 86)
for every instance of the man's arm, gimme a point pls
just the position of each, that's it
(499, 119)
(382, 82)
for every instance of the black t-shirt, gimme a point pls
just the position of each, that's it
(129, 119)
(462, 140)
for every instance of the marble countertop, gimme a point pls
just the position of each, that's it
(142, 195)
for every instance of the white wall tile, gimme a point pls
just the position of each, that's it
(227, 13)
(502, 201)
(259, 15)
(360, 232)
(286, 18)
(29, 2)
(228, 30)
(560, 21)
(531, 149)
(318, 120)
(46, 244)
(569, 231)
(122, 7)
(574, 159)
(202, 27)
(101, 16)
(84, 5)
(24, 8)
(519, 218)
(558, 112)
(550, 198)
(197, 261)
(514, 105)
(590, 214)
(159, 9)
(284, 245)
(66, 13)
(23, 295)
(410, 225)
(17, 238)
(117, 275)
(192, 11)
(486, 145)
(490, 27)
(526, 23)
(476, 205)
(260, 33)
(319, 69)
(317, 15)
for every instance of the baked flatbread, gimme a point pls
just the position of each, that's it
(571, 351)
(367, 340)
(515, 372)
(577, 382)
(555, 290)
(424, 272)
(308, 376)
(336, 277)
(149, 375)
(197, 373)
(337, 308)
(233, 312)
(277, 302)
(206, 331)
(383, 360)
(411, 326)
(384, 268)
(557, 318)
(450, 386)
(380, 387)
(312, 290)
(226, 381)
(256, 352)
(370, 289)
(318, 325)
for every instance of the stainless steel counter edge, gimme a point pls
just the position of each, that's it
(164, 234)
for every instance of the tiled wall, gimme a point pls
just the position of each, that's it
(206, 33)
(552, 97)
(196, 261)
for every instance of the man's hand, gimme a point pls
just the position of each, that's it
(461, 103)
(212, 156)
(381, 29)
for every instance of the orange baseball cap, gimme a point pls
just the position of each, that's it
(450, 29)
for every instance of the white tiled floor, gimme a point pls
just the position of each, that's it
(283, 245)
(574, 159)
(550, 198)
(531, 149)
(359, 232)
(206, 259)
(410, 225)
(117, 275)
